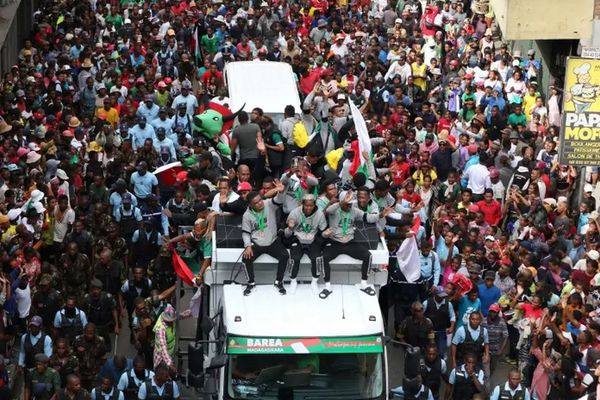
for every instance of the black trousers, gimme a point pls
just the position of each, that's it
(352, 249)
(313, 250)
(276, 250)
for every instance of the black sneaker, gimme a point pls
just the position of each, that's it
(249, 288)
(279, 286)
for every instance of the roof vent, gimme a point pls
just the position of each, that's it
(237, 318)
(372, 318)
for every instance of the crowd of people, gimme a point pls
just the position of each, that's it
(464, 162)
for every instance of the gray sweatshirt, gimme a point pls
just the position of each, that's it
(334, 216)
(306, 228)
(292, 184)
(250, 232)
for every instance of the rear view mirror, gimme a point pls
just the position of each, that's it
(218, 361)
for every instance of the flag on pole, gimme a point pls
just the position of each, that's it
(363, 143)
(408, 255)
(181, 269)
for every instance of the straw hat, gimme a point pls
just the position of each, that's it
(74, 122)
(87, 63)
(4, 127)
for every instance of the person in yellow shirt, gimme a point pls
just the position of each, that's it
(419, 72)
(529, 101)
(108, 113)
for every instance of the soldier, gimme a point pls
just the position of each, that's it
(114, 242)
(82, 237)
(139, 286)
(46, 300)
(75, 270)
(131, 380)
(90, 350)
(101, 309)
(108, 271)
(69, 321)
(41, 382)
(63, 361)
(34, 342)
(160, 270)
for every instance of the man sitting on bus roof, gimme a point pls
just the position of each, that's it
(259, 233)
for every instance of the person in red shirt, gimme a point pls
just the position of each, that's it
(490, 207)
(400, 169)
(213, 72)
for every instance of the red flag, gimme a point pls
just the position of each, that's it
(416, 224)
(182, 270)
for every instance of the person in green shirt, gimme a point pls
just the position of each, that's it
(517, 117)
(196, 247)
(41, 382)
(209, 43)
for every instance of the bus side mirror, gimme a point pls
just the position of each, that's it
(387, 340)
(218, 362)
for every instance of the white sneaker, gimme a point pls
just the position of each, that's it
(314, 285)
(293, 286)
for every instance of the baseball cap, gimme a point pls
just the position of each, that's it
(474, 269)
(588, 188)
(126, 199)
(439, 291)
(593, 255)
(36, 321)
(244, 186)
(489, 275)
(494, 307)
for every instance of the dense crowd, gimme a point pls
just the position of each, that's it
(463, 163)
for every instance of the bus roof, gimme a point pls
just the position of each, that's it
(265, 313)
(272, 86)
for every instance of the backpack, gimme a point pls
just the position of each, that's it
(300, 135)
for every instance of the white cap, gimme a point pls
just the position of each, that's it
(593, 255)
(490, 237)
(588, 188)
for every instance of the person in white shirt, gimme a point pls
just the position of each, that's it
(512, 389)
(478, 178)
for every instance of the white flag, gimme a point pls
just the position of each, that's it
(364, 142)
(409, 261)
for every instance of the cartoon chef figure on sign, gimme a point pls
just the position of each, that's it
(583, 94)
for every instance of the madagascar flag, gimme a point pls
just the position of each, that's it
(181, 269)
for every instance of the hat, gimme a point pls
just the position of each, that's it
(168, 314)
(22, 151)
(32, 157)
(37, 195)
(186, 84)
(13, 167)
(514, 135)
(4, 127)
(41, 357)
(244, 186)
(593, 255)
(550, 201)
(74, 122)
(472, 148)
(67, 133)
(418, 119)
(490, 237)
(96, 283)
(489, 275)
(161, 84)
(339, 36)
(531, 52)
(322, 23)
(474, 269)
(94, 147)
(126, 198)
(61, 174)
(341, 96)
(494, 307)
(36, 321)
(87, 63)
(439, 291)
(588, 188)
(14, 214)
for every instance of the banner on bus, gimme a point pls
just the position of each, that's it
(323, 345)
(580, 133)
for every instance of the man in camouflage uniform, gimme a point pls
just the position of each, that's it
(114, 242)
(144, 318)
(76, 271)
(160, 270)
(46, 300)
(90, 350)
(100, 219)
(101, 309)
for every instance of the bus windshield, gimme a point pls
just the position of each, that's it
(332, 371)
